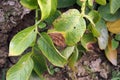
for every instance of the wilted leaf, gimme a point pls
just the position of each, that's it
(114, 5)
(48, 7)
(53, 55)
(21, 70)
(30, 4)
(65, 3)
(111, 54)
(103, 38)
(114, 27)
(71, 25)
(102, 2)
(22, 41)
(105, 13)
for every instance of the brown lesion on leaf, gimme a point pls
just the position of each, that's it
(58, 40)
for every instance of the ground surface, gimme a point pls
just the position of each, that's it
(13, 18)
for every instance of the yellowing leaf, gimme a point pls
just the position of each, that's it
(72, 24)
(111, 54)
(21, 41)
(114, 27)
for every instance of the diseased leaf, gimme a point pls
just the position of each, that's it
(21, 41)
(111, 54)
(53, 55)
(87, 41)
(65, 3)
(48, 7)
(114, 5)
(115, 44)
(22, 69)
(58, 40)
(30, 4)
(102, 2)
(71, 25)
(103, 38)
(106, 15)
(114, 27)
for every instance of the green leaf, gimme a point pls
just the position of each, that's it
(71, 25)
(41, 25)
(105, 13)
(101, 2)
(114, 5)
(90, 2)
(22, 69)
(73, 59)
(79, 2)
(35, 77)
(21, 41)
(94, 15)
(65, 3)
(48, 8)
(117, 37)
(39, 62)
(30, 4)
(115, 44)
(67, 52)
(50, 52)
(53, 17)
(103, 38)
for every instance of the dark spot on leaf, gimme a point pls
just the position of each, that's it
(74, 27)
(34, 30)
(58, 39)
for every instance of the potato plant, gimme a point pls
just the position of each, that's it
(95, 21)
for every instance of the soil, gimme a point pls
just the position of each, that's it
(13, 17)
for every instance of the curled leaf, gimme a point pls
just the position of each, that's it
(110, 53)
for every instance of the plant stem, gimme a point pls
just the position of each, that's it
(83, 7)
(36, 20)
